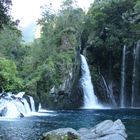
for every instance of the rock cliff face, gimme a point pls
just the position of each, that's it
(105, 74)
(62, 90)
(69, 94)
(115, 74)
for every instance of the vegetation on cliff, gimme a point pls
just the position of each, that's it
(110, 25)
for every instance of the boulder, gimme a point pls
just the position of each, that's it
(111, 137)
(61, 134)
(3, 111)
(106, 130)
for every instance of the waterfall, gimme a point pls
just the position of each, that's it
(19, 106)
(90, 99)
(32, 103)
(40, 107)
(109, 90)
(12, 111)
(26, 105)
(41, 110)
(122, 96)
(15, 106)
(136, 74)
(110, 87)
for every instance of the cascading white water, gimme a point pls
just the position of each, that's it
(136, 74)
(12, 111)
(40, 109)
(19, 106)
(26, 105)
(32, 103)
(122, 96)
(14, 106)
(90, 99)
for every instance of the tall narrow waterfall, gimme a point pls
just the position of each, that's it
(122, 96)
(90, 99)
(32, 103)
(136, 75)
(109, 90)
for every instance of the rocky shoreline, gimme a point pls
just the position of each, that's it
(106, 130)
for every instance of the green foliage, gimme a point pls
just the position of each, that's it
(47, 61)
(8, 75)
(112, 14)
(4, 12)
(11, 50)
(50, 58)
(111, 24)
(10, 42)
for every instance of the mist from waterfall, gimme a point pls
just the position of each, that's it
(123, 67)
(90, 99)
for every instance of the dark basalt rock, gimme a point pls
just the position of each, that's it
(21, 115)
(3, 111)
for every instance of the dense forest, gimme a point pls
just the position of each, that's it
(49, 67)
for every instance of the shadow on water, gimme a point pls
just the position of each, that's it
(31, 128)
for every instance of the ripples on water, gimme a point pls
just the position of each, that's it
(31, 128)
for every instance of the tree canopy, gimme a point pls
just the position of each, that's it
(4, 12)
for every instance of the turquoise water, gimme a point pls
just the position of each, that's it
(31, 128)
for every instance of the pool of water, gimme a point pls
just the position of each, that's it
(31, 128)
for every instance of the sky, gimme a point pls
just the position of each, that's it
(28, 11)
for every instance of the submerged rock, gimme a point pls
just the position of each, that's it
(106, 130)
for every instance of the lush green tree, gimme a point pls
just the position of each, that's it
(12, 50)
(110, 25)
(49, 59)
(4, 12)
(10, 42)
(8, 76)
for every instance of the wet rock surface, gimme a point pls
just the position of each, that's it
(106, 130)
(62, 134)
